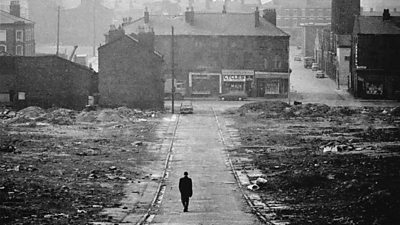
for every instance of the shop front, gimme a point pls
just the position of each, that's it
(203, 84)
(272, 84)
(238, 81)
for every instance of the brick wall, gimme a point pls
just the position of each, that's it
(211, 54)
(53, 81)
(130, 75)
(28, 42)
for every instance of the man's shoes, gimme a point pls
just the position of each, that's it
(185, 210)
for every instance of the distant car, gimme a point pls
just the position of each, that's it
(320, 74)
(297, 58)
(314, 67)
(186, 108)
(233, 96)
(308, 61)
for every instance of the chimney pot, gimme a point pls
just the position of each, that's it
(224, 9)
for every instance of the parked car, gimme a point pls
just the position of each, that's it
(186, 108)
(233, 96)
(297, 58)
(308, 61)
(314, 67)
(320, 74)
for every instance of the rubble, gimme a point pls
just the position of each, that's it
(328, 164)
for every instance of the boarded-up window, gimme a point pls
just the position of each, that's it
(4, 97)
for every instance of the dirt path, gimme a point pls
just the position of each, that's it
(216, 200)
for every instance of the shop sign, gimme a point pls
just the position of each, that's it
(272, 75)
(237, 75)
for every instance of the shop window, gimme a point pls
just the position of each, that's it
(3, 35)
(3, 48)
(19, 50)
(19, 36)
(272, 87)
(373, 89)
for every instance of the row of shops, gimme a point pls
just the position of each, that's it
(253, 83)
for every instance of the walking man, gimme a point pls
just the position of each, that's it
(185, 187)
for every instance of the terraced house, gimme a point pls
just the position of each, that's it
(221, 52)
(16, 33)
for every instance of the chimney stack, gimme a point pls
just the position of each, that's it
(257, 18)
(189, 16)
(146, 37)
(146, 16)
(224, 9)
(15, 8)
(394, 9)
(386, 14)
(270, 15)
(114, 33)
(371, 9)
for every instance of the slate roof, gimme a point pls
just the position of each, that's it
(7, 18)
(208, 24)
(134, 40)
(376, 25)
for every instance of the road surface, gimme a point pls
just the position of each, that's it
(216, 200)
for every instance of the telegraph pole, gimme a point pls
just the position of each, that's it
(94, 28)
(173, 69)
(58, 30)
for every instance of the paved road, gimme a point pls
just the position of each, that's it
(216, 199)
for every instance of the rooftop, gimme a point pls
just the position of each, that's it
(214, 24)
(376, 25)
(7, 18)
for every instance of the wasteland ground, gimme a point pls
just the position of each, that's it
(325, 165)
(63, 167)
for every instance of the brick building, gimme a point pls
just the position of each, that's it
(334, 42)
(130, 71)
(292, 15)
(238, 44)
(16, 33)
(45, 81)
(375, 67)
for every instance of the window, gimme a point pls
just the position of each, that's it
(4, 97)
(3, 35)
(3, 48)
(19, 35)
(277, 62)
(265, 64)
(19, 50)
(347, 58)
(21, 96)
